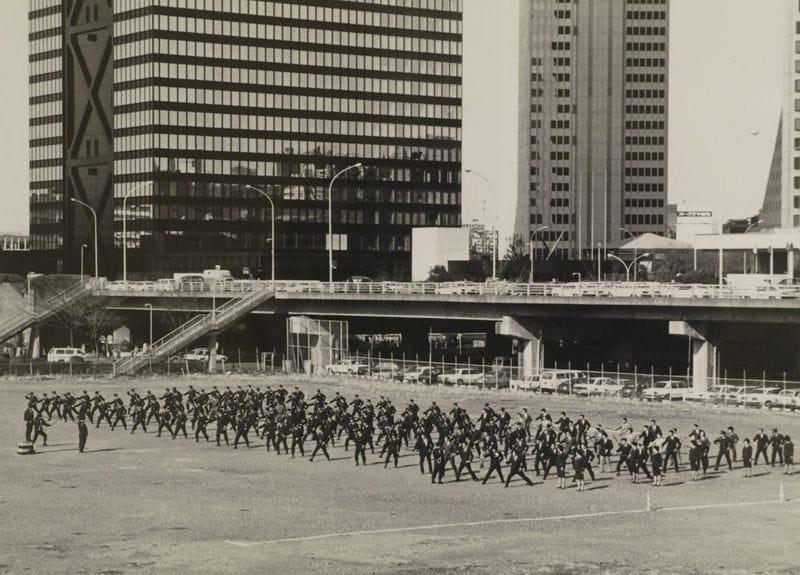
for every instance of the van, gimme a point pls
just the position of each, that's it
(66, 355)
(217, 275)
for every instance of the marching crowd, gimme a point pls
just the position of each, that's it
(494, 442)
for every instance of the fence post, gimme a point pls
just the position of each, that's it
(635, 377)
(569, 389)
(652, 380)
(239, 357)
(783, 401)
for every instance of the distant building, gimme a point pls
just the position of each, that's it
(437, 247)
(14, 242)
(185, 104)
(693, 221)
(741, 226)
(580, 142)
(781, 206)
(481, 239)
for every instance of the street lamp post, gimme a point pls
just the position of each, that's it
(634, 251)
(599, 262)
(94, 216)
(533, 236)
(627, 266)
(330, 220)
(272, 231)
(149, 307)
(83, 247)
(494, 233)
(125, 230)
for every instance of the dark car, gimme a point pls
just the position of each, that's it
(628, 390)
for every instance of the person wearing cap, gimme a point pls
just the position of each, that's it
(624, 450)
(83, 434)
(495, 460)
(672, 447)
(656, 462)
(733, 439)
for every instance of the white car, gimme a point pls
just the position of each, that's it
(599, 386)
(201, 354)
(66, 355)
(764, 397)
(529, 383)
(464, 376)
(552, 378)
(422, 374)
(670, 390)
(386, 370)
(348, 367)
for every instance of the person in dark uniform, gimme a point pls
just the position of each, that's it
(323, 438)
(179, 425)
(495, 460)
(518, 465)
(672, 446)
(298, 435)
(28, 418)
(38, 428)
(423, 448)
(164, 419)
(579, 467)
(657, 464)
(562, 456)
(360, 443)
(724, 450)
(392, 446)
(788, 455)
(776, 442)
(138, 419)
(466, 461)
(241, 431)
(695, 458)
(747, 458)
(733, 440)
(200, 422)
(222, 427)
(83, 434)
(761, 441)
(624, 450)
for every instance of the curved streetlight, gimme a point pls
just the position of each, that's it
(83, 247)
(94, 215)
(272, 232)
(494, 231)
(628, 266)
(633, 236)
(530, 248)
(125, 230)
(330, 219)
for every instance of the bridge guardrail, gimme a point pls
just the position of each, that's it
(561, 290)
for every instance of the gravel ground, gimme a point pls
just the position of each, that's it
(142, 504)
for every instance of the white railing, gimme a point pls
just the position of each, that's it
(195, 327)
(489, 289)
(26, 317)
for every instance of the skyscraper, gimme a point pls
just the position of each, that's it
(781, 207)
(588, 151)
(182, 105)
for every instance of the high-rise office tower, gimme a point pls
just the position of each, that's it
(781, 207)
(587, 152)
(180, 105)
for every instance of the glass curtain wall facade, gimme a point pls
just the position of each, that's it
(46, 151)
(212, 96)
(598, 121)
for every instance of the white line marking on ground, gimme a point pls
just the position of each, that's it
(503, 521)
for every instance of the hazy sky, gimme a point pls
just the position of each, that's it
(725, 84)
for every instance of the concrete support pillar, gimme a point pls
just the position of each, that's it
(212, 353)
(705, 351)
(530, 332)
(35, 342)
(790, 261)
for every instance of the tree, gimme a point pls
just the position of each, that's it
(89, 318)
(439, 274)
(516, 261)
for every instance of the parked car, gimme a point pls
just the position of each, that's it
(464, 376)
(497, 377)
(786, 399)
(66, 355)
(348, 366)
(628, 390)
(201, 354)
(670, 390)
(422, 374)
(529, 383)
(387, 370)
(764, 397)
(551, 379)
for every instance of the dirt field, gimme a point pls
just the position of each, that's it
(142, 504)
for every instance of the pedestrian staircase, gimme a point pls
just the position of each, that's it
(221, 318)
(25, 318)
